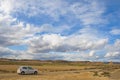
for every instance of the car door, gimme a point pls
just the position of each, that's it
(25, 69)
(31, 70)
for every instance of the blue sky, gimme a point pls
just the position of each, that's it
(74, 30)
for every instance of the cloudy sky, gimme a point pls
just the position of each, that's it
(74, 30)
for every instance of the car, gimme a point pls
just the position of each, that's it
(27, 70)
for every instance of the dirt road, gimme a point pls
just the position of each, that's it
(66, 75)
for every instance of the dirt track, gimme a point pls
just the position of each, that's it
(66, 75)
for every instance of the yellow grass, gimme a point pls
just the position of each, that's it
(46, 68)
(58, 71)
(53, 76)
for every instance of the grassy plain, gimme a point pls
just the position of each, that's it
(60, 70)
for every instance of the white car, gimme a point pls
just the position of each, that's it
(26, 70)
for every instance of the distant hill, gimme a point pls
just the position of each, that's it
(57, 61)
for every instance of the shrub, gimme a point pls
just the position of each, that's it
(95, 73)
(106, 74)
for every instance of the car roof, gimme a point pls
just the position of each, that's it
(25, 66)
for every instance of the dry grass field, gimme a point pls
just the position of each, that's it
(60, 70)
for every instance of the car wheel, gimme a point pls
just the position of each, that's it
(22, 73)
(35, 72)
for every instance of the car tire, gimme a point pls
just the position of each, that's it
(35, 73)
(22, 73)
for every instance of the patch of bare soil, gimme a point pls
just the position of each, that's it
(115, 75)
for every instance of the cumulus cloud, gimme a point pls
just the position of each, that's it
(47, 40)
(12, 54)
(57, 43)
(5, 52)
(113, 54)
(13, 32)
(6, 6)
(92, 53)
(113, 51)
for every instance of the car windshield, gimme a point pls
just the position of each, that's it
(30, 68)
(24, 67)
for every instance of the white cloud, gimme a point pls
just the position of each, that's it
(12, 54)
(6, 6)
(115, 47)
(53, 8)
(113, 51)
(58, 43)
(91, 53)
(6, 20)
(76, 56)
(115, 31)
(113, 54)
(15, 32)
(54, 29)
(89, 12)
(12, 32)
(6, 53)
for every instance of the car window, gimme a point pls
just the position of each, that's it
(24, 67)
(30, 68)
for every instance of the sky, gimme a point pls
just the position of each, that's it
(73, 30)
